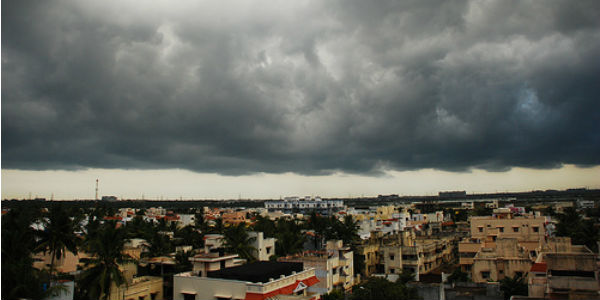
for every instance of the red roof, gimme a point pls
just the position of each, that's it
(113, 218)
(539, 267)
(286, 290)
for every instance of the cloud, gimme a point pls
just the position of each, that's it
(309, 87)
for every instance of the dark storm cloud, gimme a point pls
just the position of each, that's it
(311, 87)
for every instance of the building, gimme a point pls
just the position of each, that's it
(394, 254)
(504, 258)
(213, 261)
(564, 271)
(334, 267)
(423, 255)
(264, 248)
(255, 281)
(528, 230)
(137, 287)
(234, 218)
(290, 204)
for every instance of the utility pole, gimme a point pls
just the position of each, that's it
(96, 189)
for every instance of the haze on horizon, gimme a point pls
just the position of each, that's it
(263, 98)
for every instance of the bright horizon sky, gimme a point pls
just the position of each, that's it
(176, 183)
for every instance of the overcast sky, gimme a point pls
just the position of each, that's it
(243, 93)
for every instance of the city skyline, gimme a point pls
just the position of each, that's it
(187, 185)
(266, 99)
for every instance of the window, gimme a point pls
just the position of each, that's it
(392, 257)
(480, 229)
(485, 274)
(536, 229)
(334, 271)
(515, 229)
(189, 296)
(392, 271)
(500, 229)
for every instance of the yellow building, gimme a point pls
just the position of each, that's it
(137, 288)
(528, 230)
(564, 271)
(504, 258)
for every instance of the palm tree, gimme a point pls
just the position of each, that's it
(290, 239)
(58, 234)
(19, 278)
(103, 270)
(320, 225)
(265, 225)
(347, 230)
(513, 286)
(160, 245)
(238, 241)
(219, 226)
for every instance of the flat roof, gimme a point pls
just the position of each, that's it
(260, 271)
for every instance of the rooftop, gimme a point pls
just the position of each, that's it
(260, 271)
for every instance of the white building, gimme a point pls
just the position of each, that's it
(256, 281)
(265, 247)
(295, 203)
(437, 216)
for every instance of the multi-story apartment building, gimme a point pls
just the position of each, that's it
(564, 271)
(504, 258)
(405, 252)
(528, 230)
(334, 267)
(423, 255)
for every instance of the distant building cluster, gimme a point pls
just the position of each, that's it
(297, 204)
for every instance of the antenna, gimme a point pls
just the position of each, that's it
(96, 189)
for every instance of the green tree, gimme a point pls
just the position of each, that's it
(19, 278)
(218, 228)
(58, 234)
(513, 286)
(458, 276)
(581, 232)
(238, 241)
(347, 230)
(335, 294)
(290, 239)
(375, 288)
(320, 226)
(406, 276)
(265, 225)
(189, 235)
(160, 244)
(102, 269)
